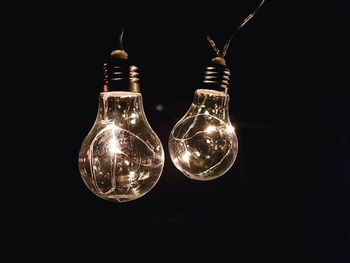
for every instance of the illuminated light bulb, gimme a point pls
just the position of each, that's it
(203, 144)
(121, 159)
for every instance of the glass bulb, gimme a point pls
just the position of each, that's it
(203, 144)
(121, 159)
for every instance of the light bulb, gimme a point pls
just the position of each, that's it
(203, 144)
(121, 158)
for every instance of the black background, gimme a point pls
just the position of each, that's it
(287, 195)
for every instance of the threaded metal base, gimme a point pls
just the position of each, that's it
(217, 77)
(119, 75)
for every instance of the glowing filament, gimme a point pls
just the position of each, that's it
(210, 129)
(113, 146)
(230, 128)
(186, 156)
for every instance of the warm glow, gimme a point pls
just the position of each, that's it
(133, 118)
(113, 146)
(132, 175)
(210, 129)
(121, 158)
(230, 128)
(186, 156)
(203, 144)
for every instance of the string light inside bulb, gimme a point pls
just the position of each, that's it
(203, 144)
(121, 159)
(210, 129)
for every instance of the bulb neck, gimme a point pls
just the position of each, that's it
(216, 77)
(120, 106)
(120, 75)
(211, 103)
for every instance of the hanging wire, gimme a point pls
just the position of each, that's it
(226, 46)
(120, 38)
(121, 22)
(245, 21)
(210, 40)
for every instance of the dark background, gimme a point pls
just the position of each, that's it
(287, 195)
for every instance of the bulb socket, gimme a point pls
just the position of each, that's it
(120, 75)
(216, 77)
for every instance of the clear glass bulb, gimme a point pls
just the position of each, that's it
(121, 158)
(203, 144)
